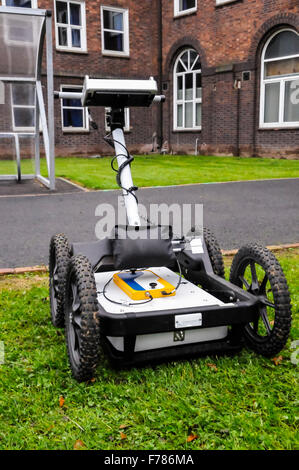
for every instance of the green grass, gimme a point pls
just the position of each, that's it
(240, 402)
(158, 170)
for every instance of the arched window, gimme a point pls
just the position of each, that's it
(280, 81)
(187, 91)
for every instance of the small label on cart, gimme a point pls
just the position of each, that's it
(188, 321)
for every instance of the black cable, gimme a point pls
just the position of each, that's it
(109, 139)
(143, 302)
(180, 280)
(122, 303)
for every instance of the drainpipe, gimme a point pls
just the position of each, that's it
(238, 115)
(255, 98)
(237, 87)
(160, 71)
(196, 147)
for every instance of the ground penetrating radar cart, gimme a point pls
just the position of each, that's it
(142, 294)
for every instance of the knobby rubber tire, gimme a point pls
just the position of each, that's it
(214, 252)
(59, 258)
(84, 363)
(275, 341)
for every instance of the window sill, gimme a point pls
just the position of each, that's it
(24, 130)
(120, 55)
(226, 2)
(75, 131)
(193, 131)
(279, 128)
(72, 51)
(185, 13)
(126, 131)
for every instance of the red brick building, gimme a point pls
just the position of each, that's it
(229, 70)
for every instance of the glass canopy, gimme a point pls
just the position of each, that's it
(19, 44)
(23, 32)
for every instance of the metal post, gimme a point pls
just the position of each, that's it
(18, 157)
(37, 144)
(50, 91)
(41, 105)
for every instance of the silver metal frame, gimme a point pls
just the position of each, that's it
(47, 121)
(24, 11)
(16, 136)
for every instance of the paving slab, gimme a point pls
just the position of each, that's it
(34, 188)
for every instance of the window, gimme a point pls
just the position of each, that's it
(127, 120)
(115, 31)
(20, 3)
(183, 7)
(280, 81)
(23, 107)
(187, 91)
(70, 25)
(73, 116)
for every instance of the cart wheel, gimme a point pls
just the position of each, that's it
(214, 252)
(81, 319)
(255, 269)
(58, 264)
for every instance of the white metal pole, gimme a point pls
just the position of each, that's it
(50, 90)
(37, 143)
(18, 156)
(126, 178)
(43, 118)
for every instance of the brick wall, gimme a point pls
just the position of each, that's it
(70, 68)
(229, 40)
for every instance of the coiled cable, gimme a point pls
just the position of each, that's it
(109, 139)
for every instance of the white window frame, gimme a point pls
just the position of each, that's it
(69, 27)
(127, 120)
(33, 4)
(84, 110)
(182, 101)
(282, 81)
(178, 12)
(22, 106)
(125, 32)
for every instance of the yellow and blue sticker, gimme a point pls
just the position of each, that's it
(141, 285)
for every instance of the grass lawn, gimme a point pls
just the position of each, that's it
(240, 402)
(159, 170)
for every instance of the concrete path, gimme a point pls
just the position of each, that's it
(34, 187)
(263, 211)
